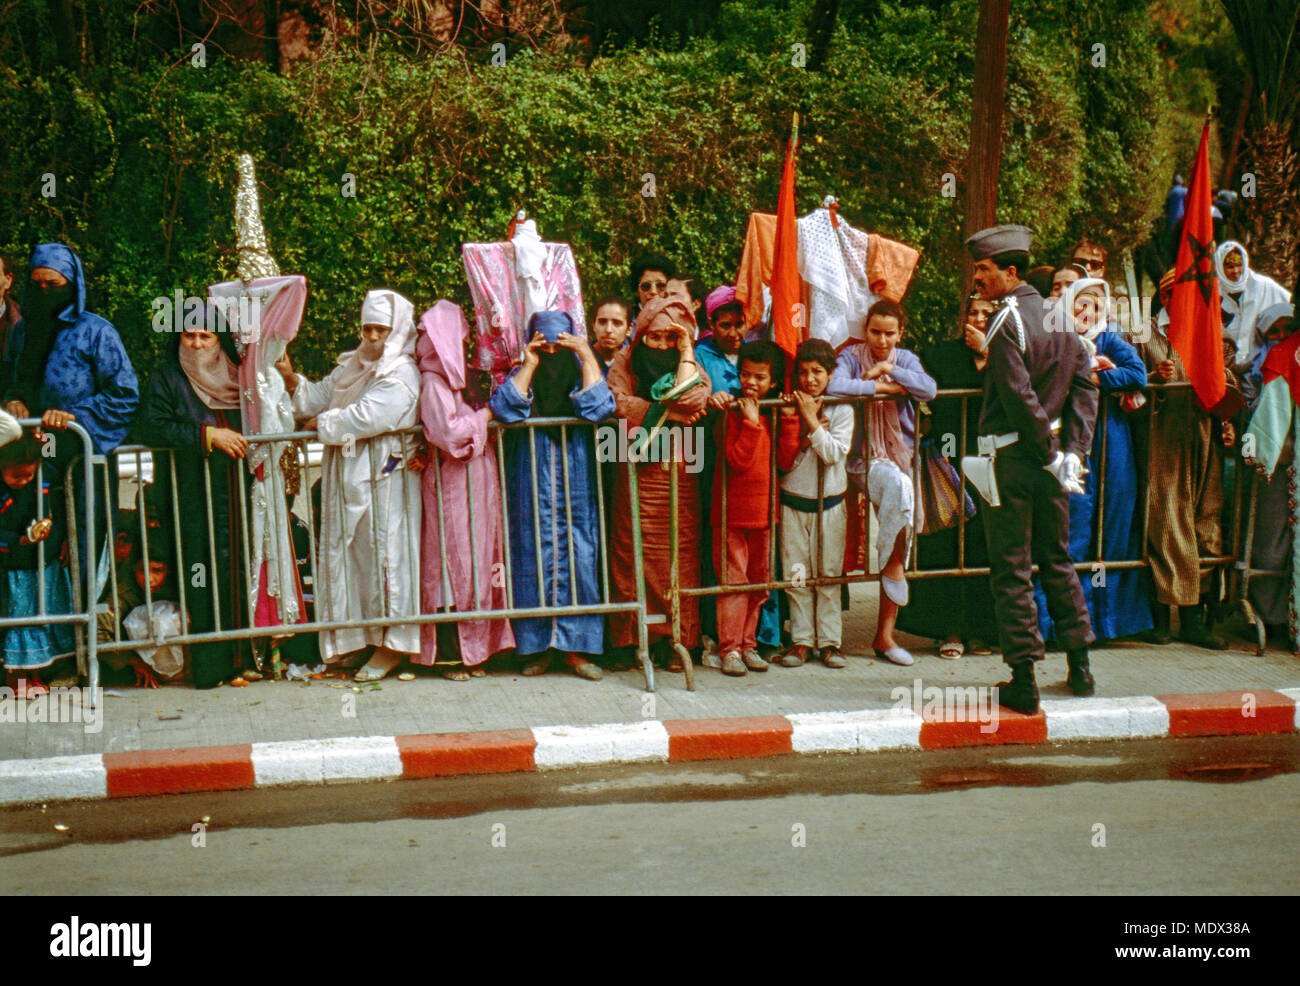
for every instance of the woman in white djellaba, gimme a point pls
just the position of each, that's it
(367, 566)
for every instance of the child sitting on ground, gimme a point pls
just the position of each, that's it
(129, 606)
(814, 446)
(743, 533)
(24, 526)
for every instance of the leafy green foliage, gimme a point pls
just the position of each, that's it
(444, 150)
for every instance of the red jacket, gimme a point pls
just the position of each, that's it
(747, 449)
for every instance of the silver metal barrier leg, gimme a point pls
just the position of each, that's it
(638, 564)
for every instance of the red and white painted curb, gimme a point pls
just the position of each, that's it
(324, 761)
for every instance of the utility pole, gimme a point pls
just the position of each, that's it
(984, 158)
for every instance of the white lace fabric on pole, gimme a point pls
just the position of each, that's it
(530, 255)
(833, 263)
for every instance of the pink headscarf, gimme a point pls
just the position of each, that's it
(660, 313)
(441, 345)
(719, 296)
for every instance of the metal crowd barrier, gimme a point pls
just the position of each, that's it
(1223, 562)
(138, 458)
(411, 520)
(82, 616)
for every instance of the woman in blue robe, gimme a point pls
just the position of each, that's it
(559, 377)
(1118, 599)
(66, 364)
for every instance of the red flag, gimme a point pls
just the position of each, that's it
(789, 320)
(1195, 321)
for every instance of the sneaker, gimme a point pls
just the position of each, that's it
(833, 657)
(795, 656)
(753, 660)
(732, 664)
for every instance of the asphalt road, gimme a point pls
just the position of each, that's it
(1160, 817)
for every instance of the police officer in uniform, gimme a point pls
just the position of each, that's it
(1035, 432)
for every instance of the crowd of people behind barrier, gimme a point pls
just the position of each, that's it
(423, 508)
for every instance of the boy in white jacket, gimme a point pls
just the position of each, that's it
(813, 451)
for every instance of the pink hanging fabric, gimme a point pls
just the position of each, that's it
(503, 301)
(264, 314)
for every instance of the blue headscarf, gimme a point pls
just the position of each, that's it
(63, 259)
(557, 373)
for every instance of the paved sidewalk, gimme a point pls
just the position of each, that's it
(179, 717)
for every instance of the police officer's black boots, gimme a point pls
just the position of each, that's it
(1192, 629)
(1079, 680)
(1020, 694)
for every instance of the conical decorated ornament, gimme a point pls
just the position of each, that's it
(254, 257)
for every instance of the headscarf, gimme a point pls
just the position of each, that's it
(1271, 314)
(650, 365)
(1220, 255)
(1167, 280)
(441, 345)
(213, 376)
(45, 312)
(1066, 312)
(367, 363)
(1254, 293)
(557, 373)
(719, 296)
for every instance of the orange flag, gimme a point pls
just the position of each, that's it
(789, 320)
(1195, 320)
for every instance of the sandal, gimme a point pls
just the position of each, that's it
(477, 672)
(951, 650)
(456, 674)
(29, 688)
(895, 589)
(534, 669)
(895, 654)
(978, 648)
(582, 667)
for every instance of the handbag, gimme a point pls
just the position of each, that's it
(942, 494)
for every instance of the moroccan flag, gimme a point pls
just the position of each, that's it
(1195, 321)
(789, 321)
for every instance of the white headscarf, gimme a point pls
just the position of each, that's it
(1066, 314)
(1220, 255)
(1255, 292)
(365, 364)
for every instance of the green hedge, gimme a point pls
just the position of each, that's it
(444, 150)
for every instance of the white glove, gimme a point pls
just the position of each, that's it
(1070, 473)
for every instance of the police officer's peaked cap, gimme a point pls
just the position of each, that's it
(999, 239)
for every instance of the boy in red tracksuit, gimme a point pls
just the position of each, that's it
(742, 539)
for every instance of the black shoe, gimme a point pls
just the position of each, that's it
(1194, 631)
(1079, 680)
(1020, 694)
(1160, 633)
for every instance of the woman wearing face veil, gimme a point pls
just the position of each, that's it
(657, 383)
(191, 405)
(67, 364)
(559, 378)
